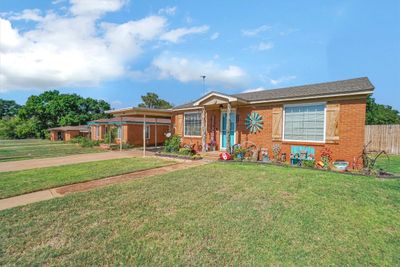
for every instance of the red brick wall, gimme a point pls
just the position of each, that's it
(351, 130)
(133, 134)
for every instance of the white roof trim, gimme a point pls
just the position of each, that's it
(229, 98)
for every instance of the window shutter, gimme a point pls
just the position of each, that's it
(277, 119)
(179, 124)
(332, 123)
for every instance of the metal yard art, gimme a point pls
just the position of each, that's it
(254, 122)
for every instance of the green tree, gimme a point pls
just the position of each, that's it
(52, 109)
(380, 114)
(8, 108)
(151, 100)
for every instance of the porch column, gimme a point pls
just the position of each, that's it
(121, 134)
(203, 129)
(144, 135)
(228, 127)
(155, 133)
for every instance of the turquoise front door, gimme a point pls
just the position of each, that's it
(223, 129)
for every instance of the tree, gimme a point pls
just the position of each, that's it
(52, 109)
(151, 100)
(380, 114)
(8, 108)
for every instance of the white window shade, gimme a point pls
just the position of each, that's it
(304, 123)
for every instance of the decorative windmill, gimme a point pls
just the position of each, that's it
(254, 122)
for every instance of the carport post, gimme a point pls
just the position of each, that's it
(155, 135)
(120, 136)
(144, 135)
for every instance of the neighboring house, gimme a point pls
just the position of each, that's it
(134, 125)
(66, 133)
(310, 117)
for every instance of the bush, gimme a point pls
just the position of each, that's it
(84, 141)
(186, 151)
(110, 136)
(308, 163)
(172, 144)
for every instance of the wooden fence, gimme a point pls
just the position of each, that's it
(383, 137)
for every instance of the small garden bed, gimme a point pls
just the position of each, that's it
(178, 156)
(174, 149)
(381, 175)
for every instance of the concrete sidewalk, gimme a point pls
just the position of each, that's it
(57, 161)
(85, 186)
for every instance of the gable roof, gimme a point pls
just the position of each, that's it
(343, 87)
(318, 89)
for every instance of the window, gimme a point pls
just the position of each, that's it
(147, 132)
(192, 124)
(304, 123)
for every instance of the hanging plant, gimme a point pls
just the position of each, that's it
(254, 122)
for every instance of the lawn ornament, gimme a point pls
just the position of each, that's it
(254, 122)
(225, 156)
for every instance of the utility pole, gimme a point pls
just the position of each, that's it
(204, 83)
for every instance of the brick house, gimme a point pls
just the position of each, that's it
(66, 133)
(311, 116)
(134, 125)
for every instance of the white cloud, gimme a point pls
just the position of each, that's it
(254, 90)
(95, 7)
(273, 82)
(27, 14)
(282, 79)
(168, 10)
(263, 46)
(186, 69)
(214, 36)
(175, 35)
(256, 31)
(75, 50)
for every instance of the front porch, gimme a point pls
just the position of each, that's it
(214, 124)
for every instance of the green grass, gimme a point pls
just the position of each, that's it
(218, 214)
(21, 182)
(11, 150)
(27, 142)
(392, 165)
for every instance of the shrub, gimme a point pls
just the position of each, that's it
(186, 151)
(239, 152)
(172, 144)
(308, 163)
(110, 136)
(84, 141)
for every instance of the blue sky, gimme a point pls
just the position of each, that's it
(118, 50)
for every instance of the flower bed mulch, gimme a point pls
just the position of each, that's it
(177, 156)
(381, 175)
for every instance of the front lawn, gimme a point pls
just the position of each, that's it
(20, 182)
(217, 214)
(392, 165)
(11, 150)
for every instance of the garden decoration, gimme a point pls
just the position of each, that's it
(254, 122)
(276, 149)
(225, 156)
(326, 157)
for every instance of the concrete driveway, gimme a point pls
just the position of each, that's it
(57, 161)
